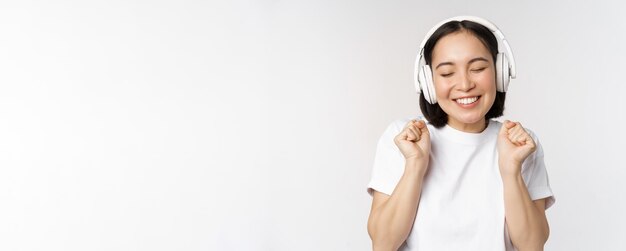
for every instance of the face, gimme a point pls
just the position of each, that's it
(464, 79)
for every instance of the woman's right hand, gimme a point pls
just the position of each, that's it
(414, 141)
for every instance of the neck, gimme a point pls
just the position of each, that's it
(476, 127)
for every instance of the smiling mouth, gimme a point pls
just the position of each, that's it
(467, 101)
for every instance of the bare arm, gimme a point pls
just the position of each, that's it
(391, 217)
(526, 220)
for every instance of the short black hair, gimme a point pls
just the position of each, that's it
(433, 112)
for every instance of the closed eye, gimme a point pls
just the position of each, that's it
(447, 75)
(479, 70)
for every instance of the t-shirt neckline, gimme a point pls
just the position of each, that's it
(467, 137)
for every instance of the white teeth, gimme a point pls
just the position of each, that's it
(466, 101)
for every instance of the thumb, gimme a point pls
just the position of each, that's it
(506, 125)
(423, 128)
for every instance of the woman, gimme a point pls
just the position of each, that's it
(455, 179)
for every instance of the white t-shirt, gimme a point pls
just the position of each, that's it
(462, 200)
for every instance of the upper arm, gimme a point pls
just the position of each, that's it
(540, 204)
(378, 199)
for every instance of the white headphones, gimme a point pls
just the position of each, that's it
(505, 63)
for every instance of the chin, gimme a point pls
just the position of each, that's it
(473, 121)
(470, 119)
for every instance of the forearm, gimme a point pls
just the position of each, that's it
(528, 227)
(393, 220)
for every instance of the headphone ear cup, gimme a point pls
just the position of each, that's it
(422, 83)
(502, 73)
(427, 85)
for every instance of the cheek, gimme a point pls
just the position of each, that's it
(486, 80)
(442, 86)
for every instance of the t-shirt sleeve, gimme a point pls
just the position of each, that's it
(388, 161)
(536, 176)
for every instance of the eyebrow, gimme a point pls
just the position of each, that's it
(471, 61)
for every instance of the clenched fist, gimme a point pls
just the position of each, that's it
(514, 145)
(414, 141)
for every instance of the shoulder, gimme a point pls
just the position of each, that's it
(498, 124)
(395, 126)
(398, 124)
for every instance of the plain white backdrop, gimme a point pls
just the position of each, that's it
(252, 125)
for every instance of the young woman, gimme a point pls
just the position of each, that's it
(455, 179)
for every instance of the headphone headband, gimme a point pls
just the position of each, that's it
(474, 19)
(492, 27)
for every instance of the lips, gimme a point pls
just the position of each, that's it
(467, 100)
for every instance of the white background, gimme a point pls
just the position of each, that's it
(252, 125)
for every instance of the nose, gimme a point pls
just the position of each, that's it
(465, 83)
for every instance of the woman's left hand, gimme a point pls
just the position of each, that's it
(514, 146)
